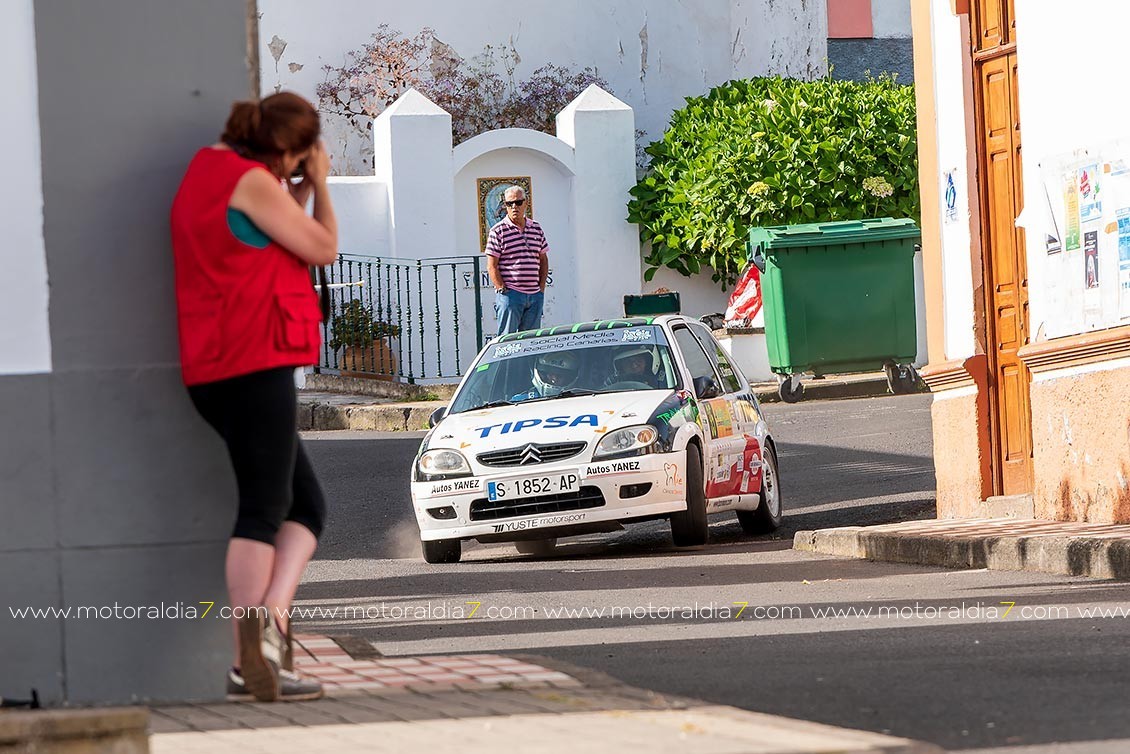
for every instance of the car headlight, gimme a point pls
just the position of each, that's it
(627, 441)
(442, 463)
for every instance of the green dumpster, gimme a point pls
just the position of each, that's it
(839, 298)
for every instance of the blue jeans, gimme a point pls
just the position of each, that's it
(518, 311)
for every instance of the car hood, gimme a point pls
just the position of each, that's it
(585, 417)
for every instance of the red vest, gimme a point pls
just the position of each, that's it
(242, 307)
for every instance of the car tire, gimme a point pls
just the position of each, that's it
(767, 517)
(540, 548)
(442, 550)
(689, 527)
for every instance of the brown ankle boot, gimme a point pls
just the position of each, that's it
(288, 650)
(260, 654)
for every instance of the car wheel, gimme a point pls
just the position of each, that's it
(442, 550)
(540, 548)
(767, 517)
(688, 528)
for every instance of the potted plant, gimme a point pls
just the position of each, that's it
(367, 351)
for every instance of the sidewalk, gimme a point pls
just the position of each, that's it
(474, 704)
(326, 408)
(1010, 544)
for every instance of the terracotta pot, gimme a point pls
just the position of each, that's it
(376, 361)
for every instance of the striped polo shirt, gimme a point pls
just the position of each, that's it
(519, 253)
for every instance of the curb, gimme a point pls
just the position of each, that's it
(1100, 556)
(76, 731)
(390, 417)
(378, 388)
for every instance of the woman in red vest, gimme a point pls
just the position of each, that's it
(248, 316)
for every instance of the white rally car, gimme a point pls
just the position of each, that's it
(582, 428)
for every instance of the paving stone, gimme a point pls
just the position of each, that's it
(195, 718)
(159, 723)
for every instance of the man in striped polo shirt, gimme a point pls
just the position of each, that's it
(518, 265)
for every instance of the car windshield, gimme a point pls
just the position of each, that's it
(569, 364)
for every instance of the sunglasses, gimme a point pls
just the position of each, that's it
(515, 202)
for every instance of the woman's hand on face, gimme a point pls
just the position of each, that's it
(317, 163)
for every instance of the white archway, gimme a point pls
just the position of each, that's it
(556, 151)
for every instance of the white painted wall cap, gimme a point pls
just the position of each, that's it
(594, 98)
(412, 103)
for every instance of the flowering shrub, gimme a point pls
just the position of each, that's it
(773, 151)
(481, 94)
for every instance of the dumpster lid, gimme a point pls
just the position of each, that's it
(827, 234)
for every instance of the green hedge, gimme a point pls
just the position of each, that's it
(773, 151)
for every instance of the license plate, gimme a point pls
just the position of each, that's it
(533, 486)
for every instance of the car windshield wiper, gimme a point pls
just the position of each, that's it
(571, 393)
(492, 404)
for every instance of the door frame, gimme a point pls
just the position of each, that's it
(982, 232)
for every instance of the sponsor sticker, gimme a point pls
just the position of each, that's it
(612, 467)
(636, 336)
(456, 486)
(552, 422)
(673, 485)
(503, 350)
(539, 523)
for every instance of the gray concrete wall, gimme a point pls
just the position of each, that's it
(851, 59)
(111, 488)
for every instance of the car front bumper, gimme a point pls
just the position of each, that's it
(665, 472)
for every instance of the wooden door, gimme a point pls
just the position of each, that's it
(1006, 276)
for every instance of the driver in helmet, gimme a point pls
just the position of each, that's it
(553, 374)
(634, 364)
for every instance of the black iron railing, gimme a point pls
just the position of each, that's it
(403, 319)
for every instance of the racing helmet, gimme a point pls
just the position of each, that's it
(632, 352)
(555, 372)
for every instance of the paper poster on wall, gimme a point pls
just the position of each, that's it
(1071, 203)
(1052, 243)
(1124, 263)
(1090, 202)
(1091, 259)
(951, 198)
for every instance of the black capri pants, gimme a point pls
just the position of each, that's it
(256, 414)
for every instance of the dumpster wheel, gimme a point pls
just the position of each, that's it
(901, 378)
(790, 388)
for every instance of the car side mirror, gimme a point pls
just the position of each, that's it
(706, 387)
(437, 416)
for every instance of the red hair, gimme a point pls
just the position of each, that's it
(266, 130)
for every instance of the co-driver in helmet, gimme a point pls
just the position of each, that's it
(633, 364)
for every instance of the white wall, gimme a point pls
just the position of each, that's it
(891, 18)
(653, 53)
(361, 206)
(25, 339)
(954, 156)
(698, 295)
(1072, 113)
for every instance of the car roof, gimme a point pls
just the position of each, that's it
(596, 324)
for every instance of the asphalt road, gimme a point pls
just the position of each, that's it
(938, 664)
